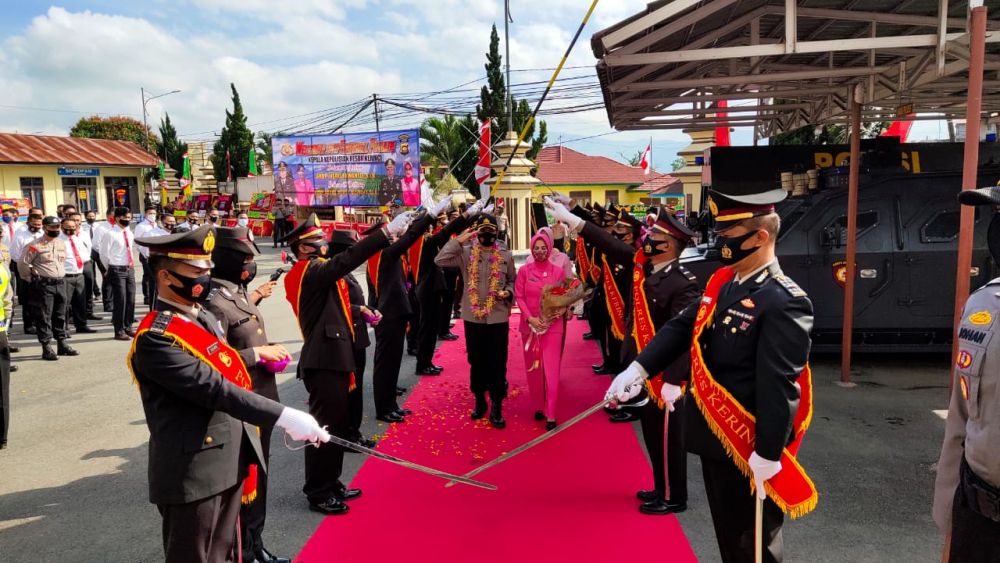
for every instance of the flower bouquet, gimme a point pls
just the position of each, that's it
(556, 300)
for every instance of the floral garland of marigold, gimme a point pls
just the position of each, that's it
(482, 308)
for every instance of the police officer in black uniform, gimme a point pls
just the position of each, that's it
(200, 443)
(391, 187)
(669, 287)
(326, 363)
(236, 309)
(755, 347)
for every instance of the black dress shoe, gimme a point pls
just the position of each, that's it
(93, 317)
(400, 391)
(660, 507)
(65, 349)
(366, 443)
(428, 371)
(496, 416)
(449, 337)
(390, 418)
(129, 332)
(411, 352)
(331, 505)
(348, 494)
(29, 330)
(479, 411)
(602, 369)
(646, 496)
(13, 368)
(122, 336)
(610, 410)
(624, 416)
(550, 425)
(590, 336)
(403, 412)
(48, 354)
(261, 555)
(539, 415)
(14, 349)
(85, 330)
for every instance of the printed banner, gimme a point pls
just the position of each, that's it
(351, 169)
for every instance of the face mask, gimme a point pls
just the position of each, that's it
(249, 272)
(192, 289)
(33, 229)
(70, 233)
(168, 227)
(487, 239)
(540, 255)
(90, 221)
(7, 218)
(652, 247)
(52, 234)
(123, 222)
(321, 248)
(151, 218)
(212, 219)
(729, 248)
(243, 222)
(619, 236)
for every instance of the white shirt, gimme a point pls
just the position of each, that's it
(663, 265)
(145, 230)
(113, 249)
(97, 229)
(22, 238)
(82, 243)
(9, 232)
(741, 280)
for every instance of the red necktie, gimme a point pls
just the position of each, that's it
(79, 261)
(128, 248)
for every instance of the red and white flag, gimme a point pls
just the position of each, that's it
(482, 170)
(647, 155)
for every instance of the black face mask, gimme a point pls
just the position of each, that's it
(192, 289)
(652, 247)
(91, 221)
(52, 234)
(33, 229)
(212, 219)
(321, 248)
(168, 227)
(248, 272)
(486, 239)
(70, 233)
(729, 248)
(993, 238)
(123, 222)
(619, 236)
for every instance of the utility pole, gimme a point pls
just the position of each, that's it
(506, 39)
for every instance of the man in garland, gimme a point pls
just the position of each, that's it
(660, 289)
(749, 343)
(488, 273)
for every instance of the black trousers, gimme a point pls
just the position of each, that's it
(4, 387)
(430, 323)
(203, 531)
(253, 515)
(414, 322)
(389, 337)
(23, 290)
(486, 348)
(76, 299)
(329, 397)
(356, 399)
(733, 513)
(48, 302)
(148, 287)
(122, 282)
(599, 323)
(651, 418)
(974, 537)
(99, 266)
(443, 302)
(278, 231)
(89, 286)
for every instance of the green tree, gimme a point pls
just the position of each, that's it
(493, 103)
(235, 137)
(633, 160)
(174, 148)
(678, 163)
(265, 153)
(452, 141)
(116, 128)
(446, 185)
(827, 134)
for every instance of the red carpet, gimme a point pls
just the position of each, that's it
(571, 498)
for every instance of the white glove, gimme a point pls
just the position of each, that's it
(627, 384)
(563, 215)
(475, 208)
(488, 208)
(561, 198)
(670, 393)
(441, 206)
(301, 426)
(399, 225)
(763, 469)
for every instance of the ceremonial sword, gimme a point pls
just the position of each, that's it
(404, 463)
(532, 443)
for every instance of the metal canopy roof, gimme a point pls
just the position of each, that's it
(795, 62)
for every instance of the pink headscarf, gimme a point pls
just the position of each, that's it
(555, 257)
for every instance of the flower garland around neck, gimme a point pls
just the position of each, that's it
(482, 308)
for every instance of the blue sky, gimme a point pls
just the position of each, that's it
(59, 62)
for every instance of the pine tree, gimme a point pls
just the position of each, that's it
(175, 148)
(235, 137)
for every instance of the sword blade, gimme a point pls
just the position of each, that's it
(411, 465)
(533, 442)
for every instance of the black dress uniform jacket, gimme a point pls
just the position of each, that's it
(327, 343)
(194, 417)
(391, 297)
(361, 339)
(755, 346)
(244, 330)
(431, 277)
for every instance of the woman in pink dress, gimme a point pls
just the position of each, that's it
(303, 187)
(542, 362)
(411, 186)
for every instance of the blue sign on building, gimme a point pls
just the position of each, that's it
(79, 172)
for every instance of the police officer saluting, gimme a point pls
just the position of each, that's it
(749, 381)
(236, 309)
(43, 264)
(204, 450)
(967, 489)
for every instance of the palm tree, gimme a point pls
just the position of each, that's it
(454, 142)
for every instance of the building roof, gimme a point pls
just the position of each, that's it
(660, 184)
(44, 149)
(560, 165)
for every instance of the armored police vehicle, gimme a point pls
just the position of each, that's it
(907, 234)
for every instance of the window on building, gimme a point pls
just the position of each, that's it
(611, 196)
(34, 190)
(81, 192)
(581, 197)
(122, 191)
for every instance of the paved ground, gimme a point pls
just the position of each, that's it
(73, 481)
